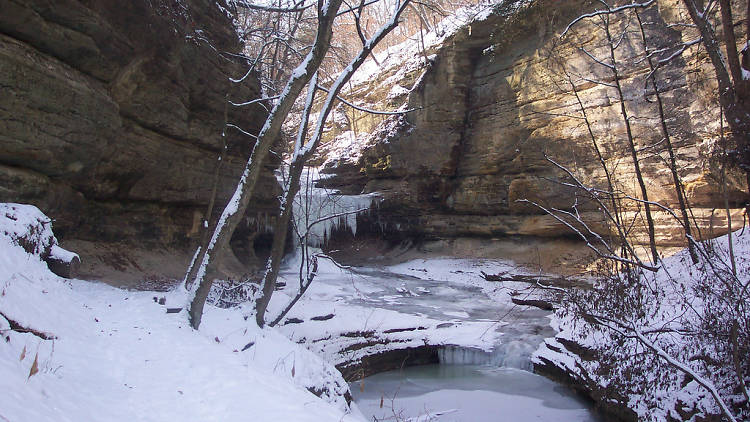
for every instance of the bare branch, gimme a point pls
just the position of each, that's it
(607, 11)
(367, 110)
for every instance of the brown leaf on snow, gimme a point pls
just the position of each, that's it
(23, 353)
(34, 366)
(293, 366)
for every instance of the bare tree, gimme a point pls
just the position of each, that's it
(304, 151)
(667, 137)
(733, 79)
(198, 283)
(305, 74)
(612, 65)
(692, 326)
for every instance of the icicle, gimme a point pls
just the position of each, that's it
(318, 211)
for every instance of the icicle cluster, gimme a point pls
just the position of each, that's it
(318, 211)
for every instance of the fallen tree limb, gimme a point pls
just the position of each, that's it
(19, 328)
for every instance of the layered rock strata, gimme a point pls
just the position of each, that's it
(111, 117)
(493, 108)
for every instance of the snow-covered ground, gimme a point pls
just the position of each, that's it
(112, 354)
(116, 355)
(686, 312)
(78, 350)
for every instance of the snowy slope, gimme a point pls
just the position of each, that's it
(678, 308)
(386, 79)
(117, 355)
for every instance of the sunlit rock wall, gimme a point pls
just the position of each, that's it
(494, 104)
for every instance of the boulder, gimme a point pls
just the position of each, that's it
(26, 226)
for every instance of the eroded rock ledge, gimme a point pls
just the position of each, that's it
(111, 119)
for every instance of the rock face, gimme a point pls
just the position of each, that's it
(111, 117)
(493, 104)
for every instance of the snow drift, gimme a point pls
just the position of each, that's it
(73, 350)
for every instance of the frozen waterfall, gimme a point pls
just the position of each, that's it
(513, 354)
(317, 211)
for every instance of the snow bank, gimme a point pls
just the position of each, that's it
(116, 355)
(671, 321)
(408, 54)
(26, 226)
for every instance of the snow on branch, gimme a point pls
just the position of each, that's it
(255, 101)
(637, 334)
(297, 7)
(367, 110)
(346, 75)
(608, 11)
(306, 114)
(244, 132)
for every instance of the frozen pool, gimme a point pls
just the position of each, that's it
(467, 393)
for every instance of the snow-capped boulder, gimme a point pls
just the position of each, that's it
(29, 228)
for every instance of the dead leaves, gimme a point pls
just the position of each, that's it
(34, 366)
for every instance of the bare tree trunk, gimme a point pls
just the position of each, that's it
(279, 242)
(199, 285)
(727, 24)
(205, 232)
(631, 142)
(610, 182)
(302, 153)
(304, 285)
(731, 99)
(730, 243)
(668, 141)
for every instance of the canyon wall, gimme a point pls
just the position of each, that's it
(111, 117)
(493, 108)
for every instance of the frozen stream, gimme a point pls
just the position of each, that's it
(420, 288)
(487, 340)
(466, 393)
(477, 385)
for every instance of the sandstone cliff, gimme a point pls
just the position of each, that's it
(491, 104)
(111, 116)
